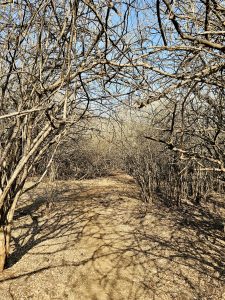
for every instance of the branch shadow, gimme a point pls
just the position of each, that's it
(129, 249)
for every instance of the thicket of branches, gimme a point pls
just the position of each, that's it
(188, 79)
(121, 144)
(58, 60)
(82, 157)
(63, 62)
(162, 176)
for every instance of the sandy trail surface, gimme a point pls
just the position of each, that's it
(95, 240)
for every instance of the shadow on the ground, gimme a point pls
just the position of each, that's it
(153, 251)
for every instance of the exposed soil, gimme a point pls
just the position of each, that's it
(95, 240)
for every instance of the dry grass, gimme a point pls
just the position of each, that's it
(95, 240)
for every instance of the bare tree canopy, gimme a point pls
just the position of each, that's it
(64, 61)
(184, 61)
(58, 59)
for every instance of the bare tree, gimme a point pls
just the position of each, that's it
(58, 60)
(183, 62)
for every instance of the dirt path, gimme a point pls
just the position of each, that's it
(94, 240)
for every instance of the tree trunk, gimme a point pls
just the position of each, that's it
(5, 237)
(5, 231)
(3, 250)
